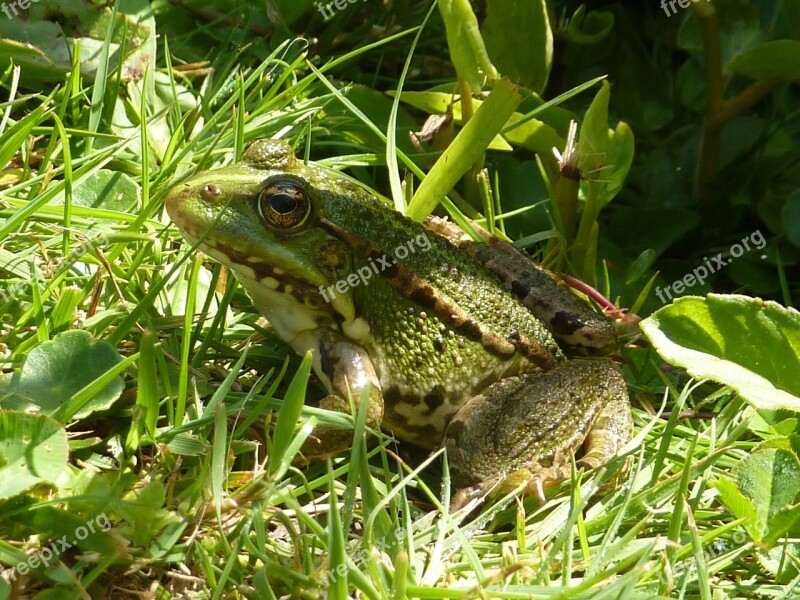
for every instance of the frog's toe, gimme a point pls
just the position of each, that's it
(468, 494)
(534, 483)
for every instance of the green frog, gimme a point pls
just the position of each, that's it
(455, 342)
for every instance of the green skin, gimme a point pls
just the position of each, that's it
(455, 339)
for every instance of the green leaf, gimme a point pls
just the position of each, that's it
(770, 477)
(741, 506)
(640, 266)
(143, 509)
(465, 150)
(45, 42)
(782, 562)
(765, 490)
(779, 59)
(107, 189)
(33, 450)
(790, 217)
(467, 50)
(618, 161)
(589, 28)
(519, 40)
(726, 337)
(56, 370)
(593, 140)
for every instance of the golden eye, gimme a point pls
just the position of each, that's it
(283, 204)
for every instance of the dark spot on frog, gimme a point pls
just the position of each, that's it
(532, 350)
(327, 360)
(424, 297)
(392, 396)
(471, 330)
(438, 344)
(435, 398)
(380, 262)
(566, 323)
(454, 430)
(520, 288)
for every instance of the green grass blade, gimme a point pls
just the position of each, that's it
(288, 416)
(466, 149)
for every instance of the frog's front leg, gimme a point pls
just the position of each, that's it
(525, 428)
(345, 369)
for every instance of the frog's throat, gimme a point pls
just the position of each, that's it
(292, 305)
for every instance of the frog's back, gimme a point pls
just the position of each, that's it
(442, 328)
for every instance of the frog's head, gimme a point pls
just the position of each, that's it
(261, 217)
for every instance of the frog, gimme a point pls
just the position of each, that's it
(453, 342)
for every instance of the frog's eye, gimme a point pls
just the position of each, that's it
(283, 204)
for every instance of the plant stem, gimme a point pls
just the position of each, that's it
(718, 110)
(708, 153)
(743, 101)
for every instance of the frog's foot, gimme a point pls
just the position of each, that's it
(346, 370)
(326, 442)
(536, 480)
(526, 428)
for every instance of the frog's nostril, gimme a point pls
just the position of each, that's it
(211, 192)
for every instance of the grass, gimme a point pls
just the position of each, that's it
(191, 462)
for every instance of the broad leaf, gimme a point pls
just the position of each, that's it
(33, 450)
(107, 189)
(55, 371)
(519, 41)
(774, 60)
(746, 343)
(765, 491)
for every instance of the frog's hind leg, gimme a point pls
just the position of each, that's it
(609, 433)
(526, 428)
